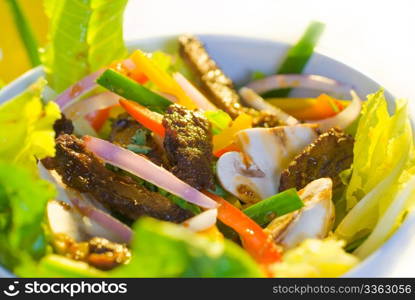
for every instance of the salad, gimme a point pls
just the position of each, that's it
(136, 164)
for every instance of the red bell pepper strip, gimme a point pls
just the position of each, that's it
(98, 118)
(149, 119)
(255, 240)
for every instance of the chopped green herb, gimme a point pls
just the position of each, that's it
(131, 90)
(139, 141)
(278, 205)
(219, 191)
(180, 202)
(140, 137)
(298, 56)
(256, 75)
(139, 149)
(219, 120)
(112, 168)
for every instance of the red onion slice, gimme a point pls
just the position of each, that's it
(257, 102)
(129, 64)
(344, 118)
(315, 82)
(95, 222)
(101, 224)
(91, 104)
(202, 221)
(145, 169)
(193, 93)
(83, 86)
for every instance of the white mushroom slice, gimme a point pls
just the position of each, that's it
(65, 219)
(255, 174)
(314, 220)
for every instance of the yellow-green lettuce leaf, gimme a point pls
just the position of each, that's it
(84, 35)
(27, 128)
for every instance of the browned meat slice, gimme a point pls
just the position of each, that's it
(82, 170)
(98, 252)
(217, 86)
(327, 156)
(63, 125)
(123, 131)
(188, 144)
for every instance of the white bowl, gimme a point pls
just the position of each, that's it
(238, 57)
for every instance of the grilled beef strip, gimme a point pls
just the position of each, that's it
(217, 86)
(123, 129)
(327, 156)
(98, 252)
(188, 144)
(83, 171)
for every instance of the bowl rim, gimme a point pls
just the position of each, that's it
(19, 84)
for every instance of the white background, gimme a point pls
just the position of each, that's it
(375, 37)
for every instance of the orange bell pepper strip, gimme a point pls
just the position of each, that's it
(255, 240)
(226, 137)
(230, 148)
(318, 108)
(149, 119)
(162, 79)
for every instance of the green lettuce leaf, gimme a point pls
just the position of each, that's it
(382, 167)
(53, 265)
(23, 198)
(219, 119)
(27, 135)
(379, 137)
(315, 258)
(391, 219)
(84, 36)
(162, 249)
(27, 128)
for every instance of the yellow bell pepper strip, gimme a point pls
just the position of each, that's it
(298, 56)
(162, 79)
(255, 240)
(318, 108)
(226, 137)
(149, 119)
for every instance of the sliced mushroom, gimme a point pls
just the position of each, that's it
(314, 220)
(255, 173)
